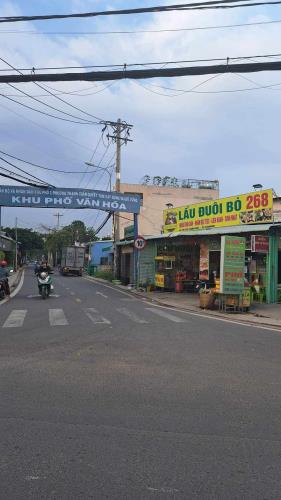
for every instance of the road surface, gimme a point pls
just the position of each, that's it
(106, 396)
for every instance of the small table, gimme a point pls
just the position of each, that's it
(228, 302)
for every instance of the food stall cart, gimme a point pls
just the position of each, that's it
(165, 272)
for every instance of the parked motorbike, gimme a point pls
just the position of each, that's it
(201, 284)
(2, 289)
(45, 286)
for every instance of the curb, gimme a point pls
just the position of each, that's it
(15, 287)
(203, 312)
(16, 282)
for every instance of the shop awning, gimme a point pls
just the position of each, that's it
(245, 228)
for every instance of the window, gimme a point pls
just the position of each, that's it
(104, 261)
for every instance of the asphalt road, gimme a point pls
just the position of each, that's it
(106, 396)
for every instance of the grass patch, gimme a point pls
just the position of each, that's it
(105, 275)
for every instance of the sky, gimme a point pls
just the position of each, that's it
(227, 128)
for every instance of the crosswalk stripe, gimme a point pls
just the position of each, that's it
(57, 317)
(131, 315)
(166, 315)
(95, 317)
(15, 318)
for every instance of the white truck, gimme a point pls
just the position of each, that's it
(72, 260)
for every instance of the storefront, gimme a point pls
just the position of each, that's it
(7, 249)
(189, 250)
(187, 258)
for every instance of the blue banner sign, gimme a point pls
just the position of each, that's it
(24, 196)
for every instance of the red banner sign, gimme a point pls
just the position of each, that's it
(259, 243)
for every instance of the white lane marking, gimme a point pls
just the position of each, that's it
(56, 296)
(224, 320)
(166, 315)
(191, 313)
(16, 290)
(131, 315)
(72, 293)
(15, 318)
(95, 317)
(163, 490)
(78, 300)
(112, 287)
(102, 294)
(57, 317)
(128, 300)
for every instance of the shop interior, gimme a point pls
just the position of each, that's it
(179, 264)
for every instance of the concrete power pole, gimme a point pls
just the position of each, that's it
(58, 215)
(120, 136)
(16, 249)
(117, 188)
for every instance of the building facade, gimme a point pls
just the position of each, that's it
(156, 197)
(180, 253)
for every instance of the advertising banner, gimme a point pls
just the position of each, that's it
(23, 196)
(259, 244)
(249, 208)
(232, 264)
(159, 280)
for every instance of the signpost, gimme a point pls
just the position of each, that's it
(140, 243)
(232, 264)
(249, 208)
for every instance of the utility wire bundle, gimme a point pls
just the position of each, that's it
(219, 4)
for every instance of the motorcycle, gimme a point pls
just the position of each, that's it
(201, 284)
(2, 290)
(45, 286)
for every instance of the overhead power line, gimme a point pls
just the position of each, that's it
(49, 105)
(20, 178)
(45, 168)
(103, 223)
(27, 182)
(220, 4)
(51, 131)
(137, 32)
(125, 66)
(44, 112)
(56, 97)
(140, 74)
(24, 171)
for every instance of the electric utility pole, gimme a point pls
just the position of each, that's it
(16, 249)
(121, 134)
(58, 215)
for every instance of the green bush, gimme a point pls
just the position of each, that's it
(105, 275)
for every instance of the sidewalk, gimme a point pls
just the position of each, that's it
(260, 314)
(14, 279)
(263, 314)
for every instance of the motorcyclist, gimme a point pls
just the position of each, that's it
(4, 277)
(44, 267)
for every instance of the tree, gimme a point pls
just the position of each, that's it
(166, 180)
(157, 180)
(146, 179)
(30, 242)
(67, 236)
